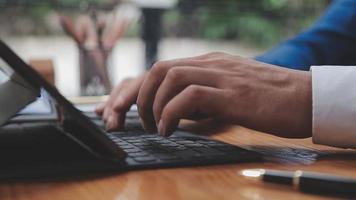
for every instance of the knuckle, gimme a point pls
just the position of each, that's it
(120, 106)
(166, 112)
(215, 54)
(174, 74)
(223, 83)
(221, 61)
(194, 92)
(158, 68)
(126, 80)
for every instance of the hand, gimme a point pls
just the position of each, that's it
(228, 88)
(113, 111)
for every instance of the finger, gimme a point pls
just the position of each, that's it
(212, 55)
(106, 113)
(127, 96)
(179, 78)
(194, 100)
(109, 104)
(150, 86)
(100, 108)
(115, 121)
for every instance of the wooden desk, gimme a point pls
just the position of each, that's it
(211, 182)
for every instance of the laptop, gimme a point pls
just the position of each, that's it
(72, 142)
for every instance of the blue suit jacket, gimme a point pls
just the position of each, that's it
(330, 41)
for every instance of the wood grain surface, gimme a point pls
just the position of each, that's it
(208, 182)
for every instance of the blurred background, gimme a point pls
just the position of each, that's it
(65, 39)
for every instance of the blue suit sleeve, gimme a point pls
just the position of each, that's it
(330, 41)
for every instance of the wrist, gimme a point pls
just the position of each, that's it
(304, 101)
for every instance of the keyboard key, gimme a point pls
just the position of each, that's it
(194, 145)
(132, 128)
(169, 145)
(187, 153)
(132, 150)
(127, 137)
(117, 140)
(142, 144)
(153, 139)
(148, 136)
(134, 140)
(175, 139)
(155, 150)
(165, 156)
(207, 142)
(163, 142)
(148, 148)
(122, 144)
(185, 142)
(174, 148)
(135, 132)
(179, 148)
(137, 154)
(208, 151)
(127, 146)
(151, 148)
(144, 159)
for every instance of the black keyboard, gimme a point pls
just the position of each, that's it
(182, 148)
(35, 149)
(153, 148)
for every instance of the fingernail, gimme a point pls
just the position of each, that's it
(161, 130)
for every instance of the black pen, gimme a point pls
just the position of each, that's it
(310, 182)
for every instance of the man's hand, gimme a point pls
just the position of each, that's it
(113, 111)
(228, 88)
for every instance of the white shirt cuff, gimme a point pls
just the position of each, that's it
(334, 105)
